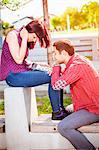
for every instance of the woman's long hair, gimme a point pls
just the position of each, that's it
(41, 32)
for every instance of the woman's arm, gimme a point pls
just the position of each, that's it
(17, 52)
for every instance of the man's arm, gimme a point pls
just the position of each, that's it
(71, 75)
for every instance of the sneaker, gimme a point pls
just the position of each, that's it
(65, 111)
(61, 114)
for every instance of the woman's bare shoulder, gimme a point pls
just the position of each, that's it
(11, 35)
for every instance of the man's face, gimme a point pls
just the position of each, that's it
(58, 56)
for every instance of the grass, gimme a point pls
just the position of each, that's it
(43, 104)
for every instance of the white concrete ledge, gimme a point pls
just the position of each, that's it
(50, 141)
(3, 141)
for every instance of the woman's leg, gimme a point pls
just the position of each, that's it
(54, 96)
(35, 78)
(28, 79)
(69, 125)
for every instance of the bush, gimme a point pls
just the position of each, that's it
(1, 107)
(6, 27)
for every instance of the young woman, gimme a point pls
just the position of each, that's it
(84, 85)
(16, 71)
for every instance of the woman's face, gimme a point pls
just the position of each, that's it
(32, 37)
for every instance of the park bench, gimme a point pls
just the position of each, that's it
(84, 45)
(24, 130)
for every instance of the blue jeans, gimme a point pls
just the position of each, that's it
(32, 79)
(69, 125)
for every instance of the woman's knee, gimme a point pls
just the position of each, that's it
(47, 77)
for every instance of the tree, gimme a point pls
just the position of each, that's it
(56, 22)
(88, 16)
(91, 10)
(13, 4)
(75, 16)
(5, 27)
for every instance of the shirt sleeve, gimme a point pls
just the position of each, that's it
(71, 75)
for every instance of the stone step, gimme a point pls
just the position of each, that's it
(44, 124)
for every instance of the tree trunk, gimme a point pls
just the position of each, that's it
(46, 20)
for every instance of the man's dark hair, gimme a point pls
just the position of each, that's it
(64, 45)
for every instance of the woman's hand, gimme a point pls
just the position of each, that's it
(48, 68)
(24, 33)
(44, 67)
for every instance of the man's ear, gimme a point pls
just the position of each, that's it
(63, 52)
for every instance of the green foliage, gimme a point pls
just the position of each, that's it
(5, 1)
(1, 107)
(91, 11)
(13, 4)
(87, 17)
(56, 22)
(5, 25)
(44, 106)
(89, 57)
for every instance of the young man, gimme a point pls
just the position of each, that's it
(84, 85)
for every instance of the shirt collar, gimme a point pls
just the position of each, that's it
(70, 60)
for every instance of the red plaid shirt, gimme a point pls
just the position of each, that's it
(83, 80)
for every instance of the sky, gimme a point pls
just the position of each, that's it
(35, 9)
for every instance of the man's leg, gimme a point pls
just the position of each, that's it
(69, 125)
